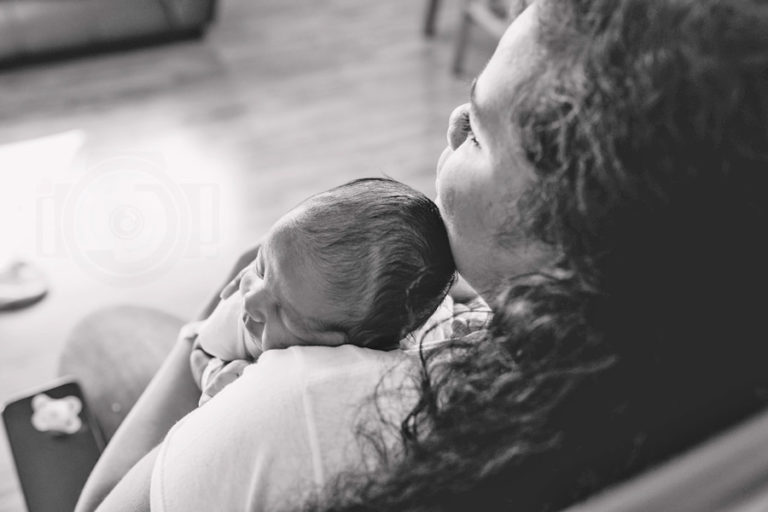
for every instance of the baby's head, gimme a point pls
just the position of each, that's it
(364, 263)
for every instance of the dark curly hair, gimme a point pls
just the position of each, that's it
(648, 131)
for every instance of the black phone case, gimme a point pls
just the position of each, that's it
(52, 466)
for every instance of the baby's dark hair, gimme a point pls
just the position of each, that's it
(382, 248)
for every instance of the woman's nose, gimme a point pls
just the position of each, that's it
(457, 126)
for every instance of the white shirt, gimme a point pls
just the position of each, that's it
(284, 429)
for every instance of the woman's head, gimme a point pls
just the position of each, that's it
(483, 172)
(604, 131)
(625, 143)
(637, 154)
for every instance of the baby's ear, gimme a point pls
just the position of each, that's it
(330, 338)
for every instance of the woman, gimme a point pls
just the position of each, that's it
(604, 190)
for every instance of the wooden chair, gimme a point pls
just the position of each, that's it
(429, 18)
(727, 474)
(492, 16)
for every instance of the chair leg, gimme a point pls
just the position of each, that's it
(462, 36)
(429, 19)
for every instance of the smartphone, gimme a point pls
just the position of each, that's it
(55, 442)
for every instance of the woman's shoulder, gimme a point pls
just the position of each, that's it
(304, 380)
(286, 425)
(331, 381)
(313, 362)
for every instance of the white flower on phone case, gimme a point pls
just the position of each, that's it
(58, 415)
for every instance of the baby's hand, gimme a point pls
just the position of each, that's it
(220, 377)
(190, 330)
(198, 358)
(198, 362)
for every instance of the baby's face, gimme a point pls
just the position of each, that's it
(284, 297)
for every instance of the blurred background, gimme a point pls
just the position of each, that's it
(145, 144)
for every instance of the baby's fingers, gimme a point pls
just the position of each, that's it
(198, 360)
(228, 374)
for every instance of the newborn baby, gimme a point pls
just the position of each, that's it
(364, 263)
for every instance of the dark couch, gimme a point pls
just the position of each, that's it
(31, 29)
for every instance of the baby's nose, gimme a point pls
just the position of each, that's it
(255, 304)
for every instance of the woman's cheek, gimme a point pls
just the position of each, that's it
(443, 158)
(453, 180)
(446, 202)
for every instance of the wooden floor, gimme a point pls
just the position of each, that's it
(139, 176)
